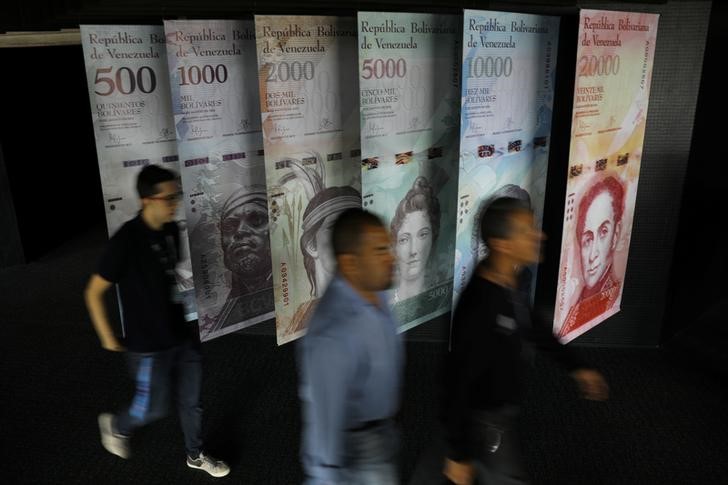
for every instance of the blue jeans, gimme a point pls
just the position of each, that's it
(156, 376)
(370, 455)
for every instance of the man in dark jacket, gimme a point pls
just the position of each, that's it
(492, 335)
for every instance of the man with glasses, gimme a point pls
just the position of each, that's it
(160, 345)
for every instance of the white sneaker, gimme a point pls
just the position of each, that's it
(114, 443)
(216, 468)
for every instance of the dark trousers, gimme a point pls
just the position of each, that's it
(495, 448)
(156, 376)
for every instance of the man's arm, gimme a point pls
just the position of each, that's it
(94, 296)
(592, 384)
(327, 368)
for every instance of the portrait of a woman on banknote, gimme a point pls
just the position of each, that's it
(414, 229)
(318, 257)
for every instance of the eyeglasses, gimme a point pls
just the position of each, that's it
(170, 199)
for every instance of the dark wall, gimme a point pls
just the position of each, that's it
(11, 249)
(48, 145)
(699, 290)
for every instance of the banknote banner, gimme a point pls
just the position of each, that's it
(508, 65)
(613, 74)
(310, 121)
(128, 83)
(217, 120)
(409, 83)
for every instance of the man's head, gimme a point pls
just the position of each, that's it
(244, 233)
(512, 191)
(507, 228)
(363, 250)
(598, 227)
(318, 220)
(159, 192)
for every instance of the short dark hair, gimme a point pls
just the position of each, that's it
(348, 229)
(496, 220)
(149, 177)
(510, 191)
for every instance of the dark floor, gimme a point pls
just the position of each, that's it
(664, 424)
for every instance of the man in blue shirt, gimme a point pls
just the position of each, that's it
(350, 363)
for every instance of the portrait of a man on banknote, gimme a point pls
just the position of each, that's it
(598, 229)
(246, 254)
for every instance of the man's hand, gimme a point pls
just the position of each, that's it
(460, 473)
(112, 345)
(591, 384)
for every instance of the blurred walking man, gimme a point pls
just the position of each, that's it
(492, 338)
(160, 345)
(350, 363)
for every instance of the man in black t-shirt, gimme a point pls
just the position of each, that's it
(493, 336)
(140, 258)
